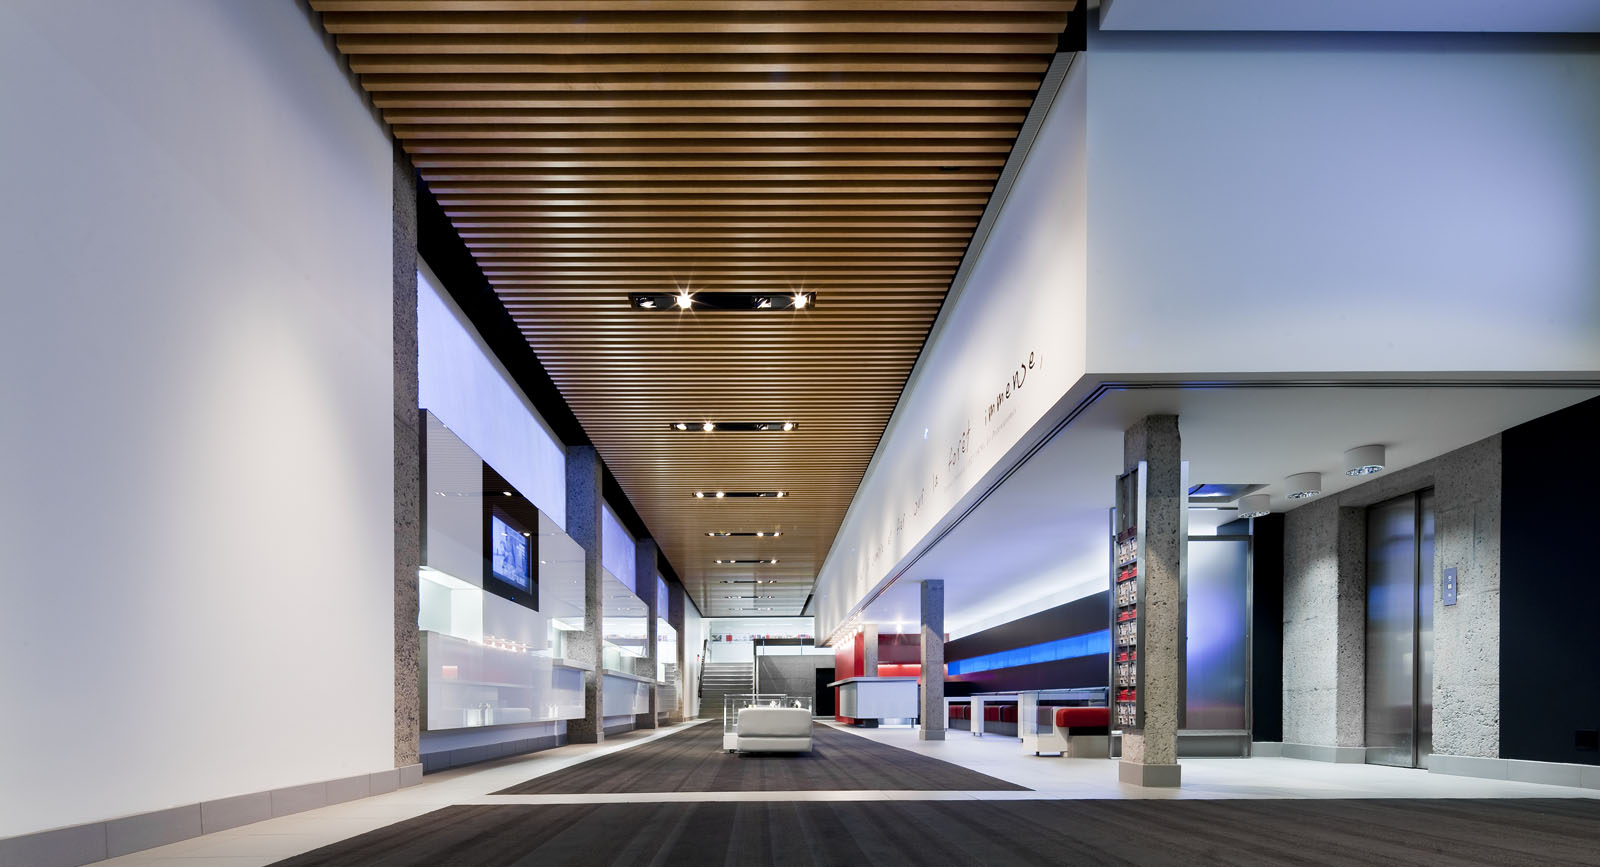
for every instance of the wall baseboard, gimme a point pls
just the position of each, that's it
(1266, 749)
(440, 760)
(1516, 770)
(1321, 753)
(96, 841)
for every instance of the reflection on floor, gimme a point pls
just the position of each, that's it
(1052, 778)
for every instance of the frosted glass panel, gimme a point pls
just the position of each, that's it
(617, 549)
(625, 695)
(454, 504)
(1217, 607)
(467, 684)
(626, 620)
(458, 380)
(560, 577)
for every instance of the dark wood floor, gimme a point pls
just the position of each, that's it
(1098, 833)
(693, 761)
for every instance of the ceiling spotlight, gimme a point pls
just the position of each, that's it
(1255, 505)
(759, 533)
(763, 303)
(780, 493)
(801, 300)
(681, 426)
(708, 427)
(1364, 460)
(720, 495)
(700, 495)
(788, 425)
(1303, 486)
(507, 493)
(685, 300)
(647, 303)
(773, 562)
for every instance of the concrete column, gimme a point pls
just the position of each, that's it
(644, 579)
(932, 708)
(1150, 755)
(407, 469)
(584, 499)
(680, 710)
(869, 650)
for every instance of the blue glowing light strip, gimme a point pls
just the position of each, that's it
(1088, 644)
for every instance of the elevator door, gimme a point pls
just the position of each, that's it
(1400, 631)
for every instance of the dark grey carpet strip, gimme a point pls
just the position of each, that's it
(693, 761)
(1099, 833)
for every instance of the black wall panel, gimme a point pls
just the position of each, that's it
(1550, 588)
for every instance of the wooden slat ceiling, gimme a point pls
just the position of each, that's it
(587, 149)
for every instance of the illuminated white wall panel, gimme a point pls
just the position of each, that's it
(1009, 344)
(1343, 202)
(197, 384)
(461, 381)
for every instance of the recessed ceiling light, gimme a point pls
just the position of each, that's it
(1255, 505)
(507, 493)
(1303, 486)
(1364, 460)
(722, 302)
(736, 426)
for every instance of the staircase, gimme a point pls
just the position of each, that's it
(718, 679)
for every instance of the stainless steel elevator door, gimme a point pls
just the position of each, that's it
(1399, 718)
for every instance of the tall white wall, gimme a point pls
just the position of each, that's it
(1343, 202)
(196, 441)
(1009, 344)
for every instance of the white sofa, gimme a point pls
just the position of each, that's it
(773, 730)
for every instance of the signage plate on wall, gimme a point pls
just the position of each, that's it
(1450, 586)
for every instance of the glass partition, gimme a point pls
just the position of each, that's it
(1217, 617)
(624, 628)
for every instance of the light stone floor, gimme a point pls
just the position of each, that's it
(1048, 777)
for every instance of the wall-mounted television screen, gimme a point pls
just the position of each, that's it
(509, 555)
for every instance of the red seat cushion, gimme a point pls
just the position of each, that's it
(991, 713)
(1083, 717)
(960, 711)
(1008, 713)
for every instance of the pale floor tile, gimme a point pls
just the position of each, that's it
(1048, 778)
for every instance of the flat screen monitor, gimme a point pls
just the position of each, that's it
(509, 555)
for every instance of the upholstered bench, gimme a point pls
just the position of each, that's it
(1076, 732)
(773, 730)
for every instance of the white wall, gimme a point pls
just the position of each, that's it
(1343, 202)
(460, 381)
(693, 638)
(196, 445)
(1020, 313)
(617, 551)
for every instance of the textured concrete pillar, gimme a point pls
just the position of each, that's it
(869, 650)
(644, 579)
(407, 469)
(583, 525)
(680, 709)
(932, 709)
(1150, 754)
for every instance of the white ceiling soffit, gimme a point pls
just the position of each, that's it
(1041, 539)
(1458, 16)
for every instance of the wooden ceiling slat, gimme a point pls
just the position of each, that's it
(666, 83)
(646, 6)
(589, 149)
(681, 64)
(753, 19)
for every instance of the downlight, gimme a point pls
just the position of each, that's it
(1364, 460)
(722, 302)
(1255, 506)
(1304, 486)
(735, 426)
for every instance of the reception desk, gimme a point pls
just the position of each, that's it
(872, 700)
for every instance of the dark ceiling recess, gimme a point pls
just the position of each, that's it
(732, 302)
(588, 152)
